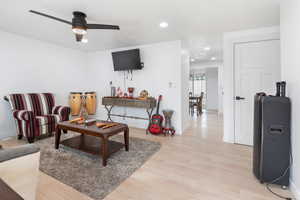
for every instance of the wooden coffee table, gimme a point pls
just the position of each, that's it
(88, 141)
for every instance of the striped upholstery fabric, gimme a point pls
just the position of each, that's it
(46, 123)
(62, 111)
(36, 114)
(48, 119)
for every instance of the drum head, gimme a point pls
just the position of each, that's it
(75, 92)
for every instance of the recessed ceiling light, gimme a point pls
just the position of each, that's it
(163, 24)
(213, 58)
(192, 60)
(207, 48)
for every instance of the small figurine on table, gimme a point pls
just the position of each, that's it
(144, 94)
(168, 129)
(119, 92)
(130, 92)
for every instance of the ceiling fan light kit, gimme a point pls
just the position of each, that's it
(79, 24)
(79, 30)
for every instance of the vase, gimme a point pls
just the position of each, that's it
(83, 110)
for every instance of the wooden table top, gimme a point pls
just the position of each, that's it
(93, 129)
(130, 102)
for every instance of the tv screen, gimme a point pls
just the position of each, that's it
(127, 60)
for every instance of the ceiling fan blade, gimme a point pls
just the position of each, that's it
(78, 37)
(51, 17)
(102, 26)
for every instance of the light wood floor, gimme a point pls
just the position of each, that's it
(194, 166)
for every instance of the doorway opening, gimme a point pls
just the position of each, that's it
(197, 93)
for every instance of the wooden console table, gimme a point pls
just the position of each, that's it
(109, 102)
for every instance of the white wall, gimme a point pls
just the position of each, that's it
(212, 88)
(33, 66)
(230, 39)
(220, 89)
(199, 67)
(185, 73)
(160, 75)
(290, 48)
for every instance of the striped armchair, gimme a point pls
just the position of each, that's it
(36, 114)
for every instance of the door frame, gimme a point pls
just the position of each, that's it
(229, 40)
(234, 78)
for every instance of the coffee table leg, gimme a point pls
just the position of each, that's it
(57, 137)
(126, 139)
(104, 151)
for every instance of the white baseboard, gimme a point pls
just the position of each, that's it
(294, 190)
(7, 138)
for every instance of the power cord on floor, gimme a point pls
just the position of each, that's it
(279, 178)
(278, 195)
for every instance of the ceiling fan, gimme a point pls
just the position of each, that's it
(79, 24)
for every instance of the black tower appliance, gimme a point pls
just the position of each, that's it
(272, 144)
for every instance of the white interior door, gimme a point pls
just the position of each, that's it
(257, 69)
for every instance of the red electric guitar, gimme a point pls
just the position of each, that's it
(155, 126)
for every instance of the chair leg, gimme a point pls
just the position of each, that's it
(30, 140)
(199, 110)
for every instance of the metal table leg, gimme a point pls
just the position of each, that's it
(108, 109)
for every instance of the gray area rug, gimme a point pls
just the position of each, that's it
(85, 173)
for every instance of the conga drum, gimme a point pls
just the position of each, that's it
(75, 103)
(91, 102)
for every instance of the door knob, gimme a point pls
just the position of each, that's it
(239, 98)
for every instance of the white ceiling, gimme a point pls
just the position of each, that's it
(198, 23)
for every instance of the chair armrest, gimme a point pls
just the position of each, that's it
(12, 153)
(23, 115)
(62, 111)
(6, 98)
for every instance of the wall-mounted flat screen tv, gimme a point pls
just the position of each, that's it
(127, 60)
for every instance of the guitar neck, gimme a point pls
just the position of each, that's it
(157, 109)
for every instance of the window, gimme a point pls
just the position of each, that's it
(198, 85)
